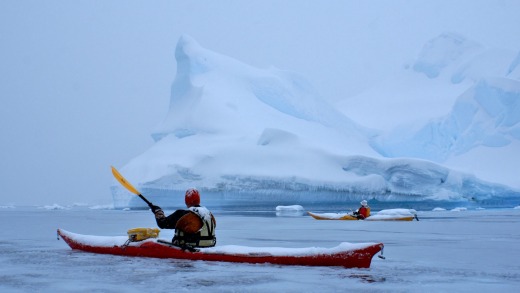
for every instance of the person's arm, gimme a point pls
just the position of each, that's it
(168, 222)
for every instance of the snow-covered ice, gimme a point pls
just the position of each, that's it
(240, 133)
(290, 211)
(465, 251)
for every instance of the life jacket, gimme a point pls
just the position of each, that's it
(195, 229)
(364, 211)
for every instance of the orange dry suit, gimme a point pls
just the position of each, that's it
(363, 212)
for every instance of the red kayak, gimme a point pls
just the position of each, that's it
(347, 255)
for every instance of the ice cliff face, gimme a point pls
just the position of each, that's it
(488, 114)
(241, 134)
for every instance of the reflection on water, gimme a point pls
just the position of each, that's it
(366, 278)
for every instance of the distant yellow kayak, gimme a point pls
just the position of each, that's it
(383, 215)
(332, 216)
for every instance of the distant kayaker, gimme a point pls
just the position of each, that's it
(363, 212)
(194, 226)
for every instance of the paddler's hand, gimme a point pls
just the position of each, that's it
(155, 209)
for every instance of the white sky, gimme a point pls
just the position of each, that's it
(83, 83)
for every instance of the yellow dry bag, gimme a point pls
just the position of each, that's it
(138, 234)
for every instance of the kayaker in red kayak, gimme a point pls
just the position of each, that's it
(363, 212)
(194, 226)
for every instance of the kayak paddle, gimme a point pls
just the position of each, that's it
(129, 186)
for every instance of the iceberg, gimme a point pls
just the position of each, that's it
(246, 136)
(487, 114)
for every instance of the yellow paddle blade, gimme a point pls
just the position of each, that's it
(123, 182)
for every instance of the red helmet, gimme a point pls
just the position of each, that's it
(192, 197)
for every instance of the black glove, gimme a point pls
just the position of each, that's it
(155, 208)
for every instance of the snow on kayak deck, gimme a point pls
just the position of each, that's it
(391, 214)
(111, 241)
(332, 216)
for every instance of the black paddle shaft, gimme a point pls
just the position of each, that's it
(145, 200)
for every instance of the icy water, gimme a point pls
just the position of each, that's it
(455, 251)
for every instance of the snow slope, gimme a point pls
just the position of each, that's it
(238, 132)
(487, 114)
(479, 133)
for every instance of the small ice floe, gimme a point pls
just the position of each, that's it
(517, 208)
(439, 210)
(54, 207)
(459, 209)
(7, 207)
(289, 211)
(102, 207)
